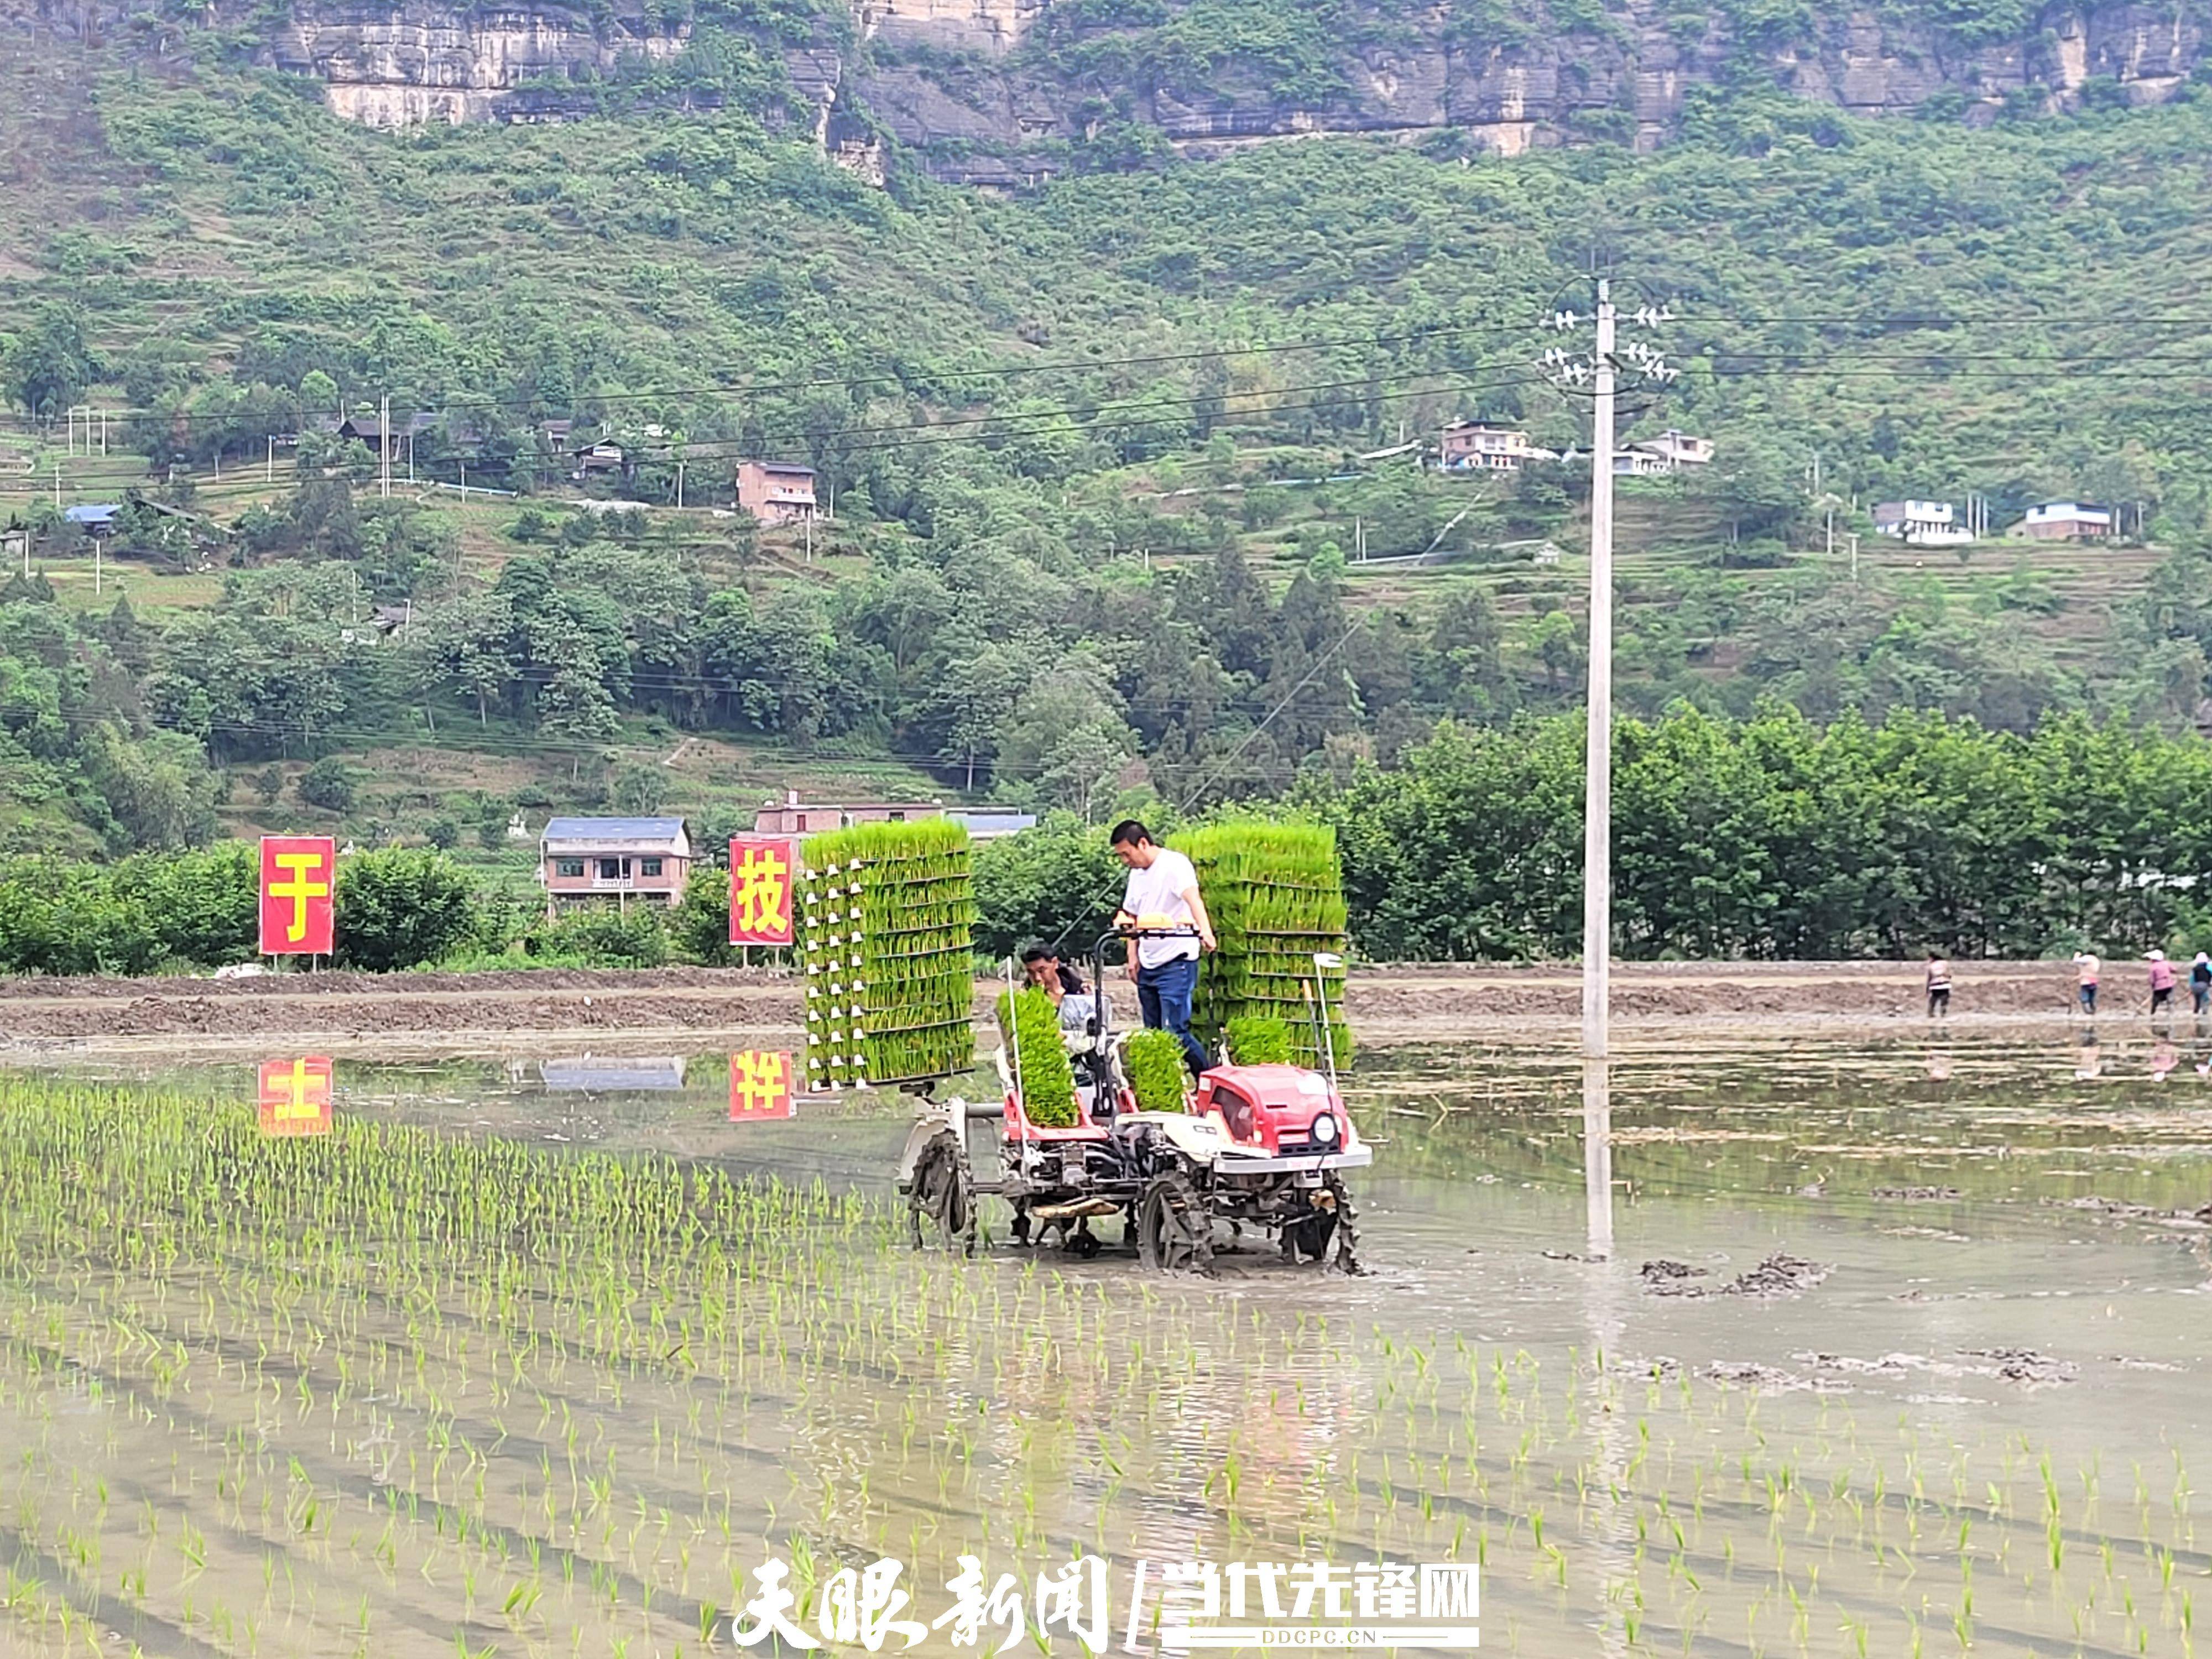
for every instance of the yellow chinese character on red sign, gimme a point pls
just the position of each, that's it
(761, 873)
(295, 1095)
(760, 1084)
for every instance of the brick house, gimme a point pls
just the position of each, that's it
(774, 492)
(584, 860)
(1470, 446)
(2065, 521)
(792, 817)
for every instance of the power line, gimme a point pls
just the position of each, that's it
(908, 378)
(930, 434)
(727, 390)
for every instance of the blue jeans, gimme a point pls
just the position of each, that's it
(1165, 993)
(2088, 998)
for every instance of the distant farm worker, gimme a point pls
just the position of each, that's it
(1161, 895)
(2200, 983)
(2086, 962)
(1063, 985)
(2163, 979)
(1939, 985)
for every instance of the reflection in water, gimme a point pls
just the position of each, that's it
(1613, 1528)
(2089, 1060)
(1939, 1065)
(1597, 1156)
(761, 1084)
(295, 1095)
(604, 1074)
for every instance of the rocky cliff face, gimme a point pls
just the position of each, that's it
(994, 93)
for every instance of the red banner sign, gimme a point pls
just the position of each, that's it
(299, 880)
(763, 874)
(760, 1085)
(296, 1097)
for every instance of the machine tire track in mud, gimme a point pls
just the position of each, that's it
(942, 1193)
(1175, 1226)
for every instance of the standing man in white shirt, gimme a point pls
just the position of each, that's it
(1163, 893)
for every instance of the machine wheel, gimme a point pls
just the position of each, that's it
(1021, 1227)
(941, 1201)
(1347, 1226)
(1175, 1229)
(1083, 1243)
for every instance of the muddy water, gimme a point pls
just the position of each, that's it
(1790, 1348)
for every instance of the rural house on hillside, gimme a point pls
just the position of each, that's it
(1474, 446)
(2065, 521)
(1924, 524)
(792, 817)
(776, 492)
(1670, 452)
(581, 860)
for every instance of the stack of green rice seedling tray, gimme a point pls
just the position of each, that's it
(885, 914)
(1276, 898)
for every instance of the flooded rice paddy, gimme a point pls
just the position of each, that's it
(1880, 1349)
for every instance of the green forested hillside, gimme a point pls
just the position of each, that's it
(1096, 448)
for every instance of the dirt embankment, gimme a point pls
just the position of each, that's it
(703, 1004)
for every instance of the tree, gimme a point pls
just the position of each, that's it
(48, 366)
(699, 926)
(158, 787)
(1057, 883)
(328, 784)
(400, 906)
(638, 791)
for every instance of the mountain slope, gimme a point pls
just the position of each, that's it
(1066, 429)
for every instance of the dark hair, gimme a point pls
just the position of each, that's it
(1128, 833)
(1038, 952)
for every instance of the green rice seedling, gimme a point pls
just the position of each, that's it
(1276, 898)
(1043, 1073)
(1258, 1039)
(1158, 1074)
(886, 913)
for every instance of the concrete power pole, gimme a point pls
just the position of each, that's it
(1597, 768)
(1601, 371)
(384, 447)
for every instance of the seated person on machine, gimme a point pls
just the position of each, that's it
(1078, 1011)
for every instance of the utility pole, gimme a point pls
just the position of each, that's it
(1602, 369)
(1597, 766)
(679, 486)
(384, 445)
(269, 467)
